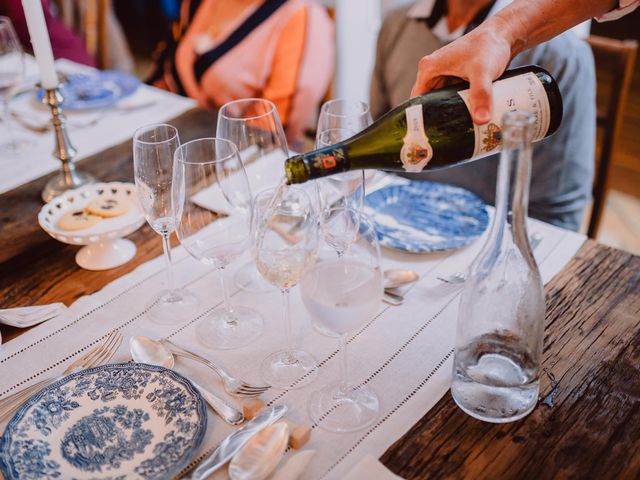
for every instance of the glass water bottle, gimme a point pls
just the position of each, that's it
(501, 316)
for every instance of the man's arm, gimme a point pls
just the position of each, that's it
(483, 54)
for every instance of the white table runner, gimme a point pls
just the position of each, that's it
(404, 353)
(106, 127)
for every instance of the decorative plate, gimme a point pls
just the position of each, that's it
(96, 89)
(128, 420)
(423, 216)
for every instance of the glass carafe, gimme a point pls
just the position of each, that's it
(501, 316)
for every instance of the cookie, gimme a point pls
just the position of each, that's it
(78, 220)
(108, 207)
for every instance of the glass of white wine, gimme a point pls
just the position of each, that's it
(285, 245)
(341, 294)
(212, 238)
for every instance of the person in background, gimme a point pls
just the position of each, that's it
(483, 54)
(223, 50)
(562, 170)
(64, 42)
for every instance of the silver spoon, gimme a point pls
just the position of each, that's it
(145, 350)
(397, 277)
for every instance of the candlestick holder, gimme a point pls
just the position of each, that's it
(68, 178)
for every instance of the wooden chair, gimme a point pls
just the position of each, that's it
(89, 18)
(615, 59)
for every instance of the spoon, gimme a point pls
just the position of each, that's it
(397, 277)
(145, 350)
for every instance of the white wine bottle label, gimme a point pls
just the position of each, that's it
(523, 92)
(416, 151)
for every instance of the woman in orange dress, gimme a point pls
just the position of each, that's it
(279, 50)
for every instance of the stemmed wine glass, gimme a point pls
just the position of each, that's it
(340, 119)
(153, 150)
(341, 294)
(285, 245)
(11, 76)
(212, 238)
(254, 126)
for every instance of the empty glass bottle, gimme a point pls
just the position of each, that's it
(501, 315)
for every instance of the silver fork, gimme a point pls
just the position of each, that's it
(458, 278)
(99, 355)
(232, 385)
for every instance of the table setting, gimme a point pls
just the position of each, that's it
(302, 331)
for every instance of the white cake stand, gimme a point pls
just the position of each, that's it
(104, 246)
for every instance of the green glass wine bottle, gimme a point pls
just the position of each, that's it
(435, 130)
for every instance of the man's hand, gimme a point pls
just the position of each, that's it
(479, 57)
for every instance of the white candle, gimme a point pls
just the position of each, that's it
(40, 42)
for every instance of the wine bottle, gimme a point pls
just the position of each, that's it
(435, 130)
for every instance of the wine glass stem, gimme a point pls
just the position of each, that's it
(227, 303)
(166, 246)
(343, 363)
(287, 324)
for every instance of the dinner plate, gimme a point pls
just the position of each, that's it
(423, 216)
(97, 89)
(126, 420)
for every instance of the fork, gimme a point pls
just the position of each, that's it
(99, 355)
(458, 278)
(232, 385)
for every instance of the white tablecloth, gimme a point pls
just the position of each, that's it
(106, 127)
(404, 353)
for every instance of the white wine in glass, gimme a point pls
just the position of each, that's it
(285, 245)
(153, 149)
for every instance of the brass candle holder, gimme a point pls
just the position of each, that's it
(68, 178)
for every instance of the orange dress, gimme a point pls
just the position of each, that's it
(288, 59)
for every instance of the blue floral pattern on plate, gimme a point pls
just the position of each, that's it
(423, 216)
(118, 421)
(98, 89)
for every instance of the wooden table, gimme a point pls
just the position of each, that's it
(585, 427)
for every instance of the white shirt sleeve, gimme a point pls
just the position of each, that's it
(625, 7)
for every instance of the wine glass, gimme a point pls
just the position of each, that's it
(341, 294)
(216, 238)
(254, 126)
(11, 76)
(153, 149)
(285, 245)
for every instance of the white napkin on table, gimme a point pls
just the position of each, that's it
(369, 468)
(23, 317)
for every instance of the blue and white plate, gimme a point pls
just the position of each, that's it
(97, 89)
(117, 421)
(423, 216)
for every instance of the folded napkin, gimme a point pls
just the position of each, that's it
(263, 173)
(23, 317)
(368, 468)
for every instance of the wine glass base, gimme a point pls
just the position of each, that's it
(174, 306)
(248, 279)
(337, 411)
(289, 369)
(218, 330)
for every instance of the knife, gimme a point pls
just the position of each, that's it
(236, 440)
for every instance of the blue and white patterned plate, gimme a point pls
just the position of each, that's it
(97, 89)
(423, 216)
(119, 421)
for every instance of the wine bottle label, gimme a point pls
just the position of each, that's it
(523, 92)
(416, 151)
